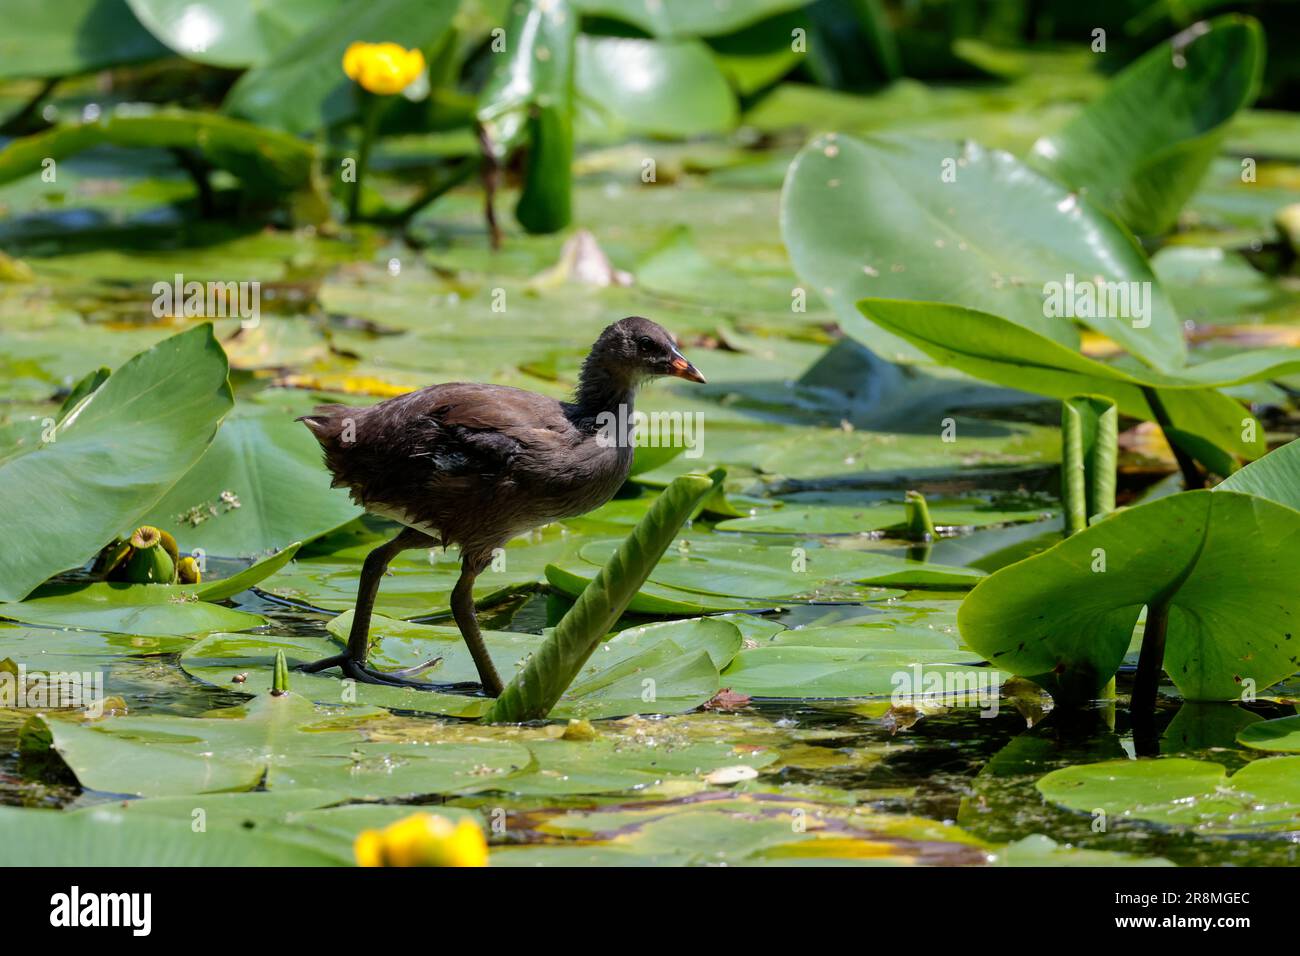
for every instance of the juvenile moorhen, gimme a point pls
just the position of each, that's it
(475, 465)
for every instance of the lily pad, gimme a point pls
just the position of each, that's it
(272, 742)
(1281, 735)
(109, 837)
(882, 516)
(1263, 796)
(148, 609)
(717, 567)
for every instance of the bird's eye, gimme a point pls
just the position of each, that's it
(645, 342)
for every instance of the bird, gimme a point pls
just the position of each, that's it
(473, 465)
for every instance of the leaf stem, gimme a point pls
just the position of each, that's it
(1192, 477)
(370, 123)
(1151, 659)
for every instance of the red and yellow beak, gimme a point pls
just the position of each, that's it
(682, 368)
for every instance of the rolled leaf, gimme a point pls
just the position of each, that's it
(550, 671)
(1090, 447)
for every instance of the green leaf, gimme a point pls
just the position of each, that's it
(71, 36)
(1142, 147)
(1276, 477)
(652, 87)
(876, 218)
(686, 18)
(111, 459)
(528, 99)
(281, 491)
(795, 519)
(874, 658)
(1281, 735)
(150, 609)
(222, 588)
(269, 163)
(303, 87)
(1059, 620)
(723, 568)
(610, 684)
(245, 663)
(534, 692)
(112, 837)
(232, 33)
(274, 742)
(1264, 795)
(998, 350)
(573, 578)
(1089, 436)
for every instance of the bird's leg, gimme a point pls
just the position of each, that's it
(352, 662)
(462, 609)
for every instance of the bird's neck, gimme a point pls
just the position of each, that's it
(602, 391)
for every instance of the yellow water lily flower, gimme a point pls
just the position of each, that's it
(383, 68)
(423, 839)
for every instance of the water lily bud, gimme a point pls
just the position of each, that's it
(280, 682)
(382, 68)
(920, 527)
(187, 571)
(149, 562)
(423, 839)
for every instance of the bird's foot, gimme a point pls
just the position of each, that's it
(354, 669)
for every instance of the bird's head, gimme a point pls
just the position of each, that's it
(642, 349)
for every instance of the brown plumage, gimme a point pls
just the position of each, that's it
(475, 465)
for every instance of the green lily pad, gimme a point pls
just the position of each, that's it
(877, 516)
(148, 609)
(152, 420)
(601, 766)
(652, 598)
(1059, 620)
(1176, 792)
(273, 742)
(718, 567)
(245, 662)
(1281, 735)
(109, 837)
(872, 668)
